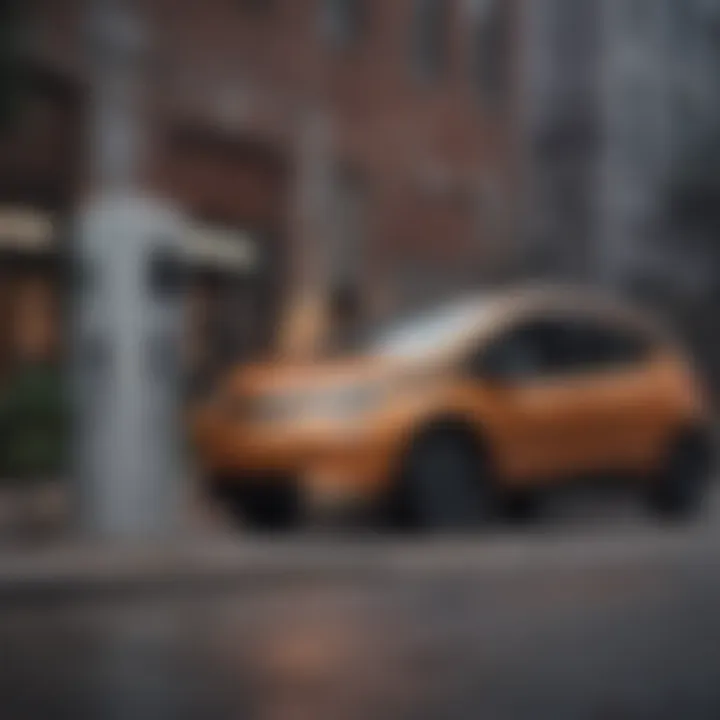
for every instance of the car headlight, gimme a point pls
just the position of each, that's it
(344, 402)
(337, 403)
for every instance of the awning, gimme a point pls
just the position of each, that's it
(28, 230)
(209, 246)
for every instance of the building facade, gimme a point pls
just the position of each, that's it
(636, 53)
(614, 93)
(366, 147)
(561, 130)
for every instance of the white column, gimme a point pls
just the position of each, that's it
(127, 320)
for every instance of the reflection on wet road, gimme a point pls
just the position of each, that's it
(630, 638)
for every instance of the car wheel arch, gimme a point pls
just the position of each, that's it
(453, 423)
(397, 507)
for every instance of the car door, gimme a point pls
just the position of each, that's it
(533, 414)
(615, 373)
(561, 392)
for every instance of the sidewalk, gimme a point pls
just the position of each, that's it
(211, 554)
(206, 564)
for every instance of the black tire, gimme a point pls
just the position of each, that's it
(444, 486)
(259, 509)
(678, 492)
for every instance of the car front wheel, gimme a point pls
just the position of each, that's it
(444, 486)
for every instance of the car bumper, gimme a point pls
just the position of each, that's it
(330, 469)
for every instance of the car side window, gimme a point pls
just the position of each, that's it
(526, 351)
(556, 347)
(599, 346)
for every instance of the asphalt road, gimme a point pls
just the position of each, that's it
(606, 618)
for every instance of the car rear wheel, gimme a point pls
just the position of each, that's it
(678, 491)
(444, 486)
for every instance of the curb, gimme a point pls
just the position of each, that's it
(79, 572)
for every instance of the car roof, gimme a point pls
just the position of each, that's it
(512, 304)
(573, 300)
(498, 308)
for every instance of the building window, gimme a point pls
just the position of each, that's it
(491, 56)
(430, 37)
(342, 21)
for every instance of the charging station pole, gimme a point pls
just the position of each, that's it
(127, 318)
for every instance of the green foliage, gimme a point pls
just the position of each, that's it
(34, 423)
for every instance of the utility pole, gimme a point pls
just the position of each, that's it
(306, 322)
(127, 318)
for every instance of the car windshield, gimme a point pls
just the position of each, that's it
(423, 334)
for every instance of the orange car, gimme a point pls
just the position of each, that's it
(441, 419)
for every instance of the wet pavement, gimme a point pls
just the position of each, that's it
(580, 629)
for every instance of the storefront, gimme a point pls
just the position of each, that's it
(222, 267)
(40, 174)
(30, 296)
(223, 296)
(231, 190)
(235, 189)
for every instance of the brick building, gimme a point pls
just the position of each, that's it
(367, 146)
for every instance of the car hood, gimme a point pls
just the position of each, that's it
(281, 377)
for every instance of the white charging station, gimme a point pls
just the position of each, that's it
(127, 368)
